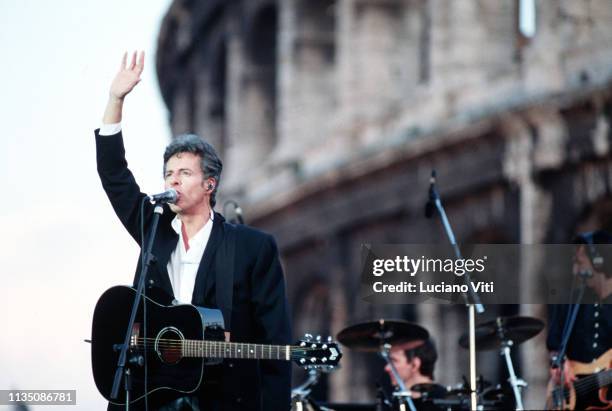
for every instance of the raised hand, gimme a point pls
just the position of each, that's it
(125, 80)
(128, 75)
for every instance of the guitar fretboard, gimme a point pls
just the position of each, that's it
(218, 349)
(604, 378)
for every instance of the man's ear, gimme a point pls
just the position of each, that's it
(416, 363)
(210, 184)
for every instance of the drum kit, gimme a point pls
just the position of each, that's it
(502, 334)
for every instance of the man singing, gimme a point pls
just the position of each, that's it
(189, 265)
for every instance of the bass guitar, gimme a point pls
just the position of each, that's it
(589, 392)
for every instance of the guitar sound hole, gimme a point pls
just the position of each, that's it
(169, 345)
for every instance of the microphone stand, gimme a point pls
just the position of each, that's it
(472, 300)
(559, 360)
(122, 370)
(237, 219)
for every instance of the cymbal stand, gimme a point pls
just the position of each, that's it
(304, 390)
(516, 383)
(404, 394)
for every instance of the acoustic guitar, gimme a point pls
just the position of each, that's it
(182, 343)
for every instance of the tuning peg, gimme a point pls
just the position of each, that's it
(303, 361)
(329, 339)
(324, 346)
(308, 337)
(318, 338)
(313, 360)
(313, 345)
(324, 360)
(302, 344)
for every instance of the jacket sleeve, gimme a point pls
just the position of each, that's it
(119, 183)
(273, 325)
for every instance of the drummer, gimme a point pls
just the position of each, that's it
(415, 362)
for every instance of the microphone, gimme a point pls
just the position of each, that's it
(238, 212)
(237, 217)
(430, 205)
(585, 273)
(168, 196)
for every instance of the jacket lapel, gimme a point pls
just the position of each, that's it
(162, 250)
(216, 238)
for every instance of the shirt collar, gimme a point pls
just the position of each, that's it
(177, 223)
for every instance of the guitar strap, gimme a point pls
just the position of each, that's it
(224, 282)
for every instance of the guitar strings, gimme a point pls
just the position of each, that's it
(216, 348)
(584, 384)
(165, 342)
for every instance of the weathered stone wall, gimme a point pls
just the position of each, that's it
(331, 114)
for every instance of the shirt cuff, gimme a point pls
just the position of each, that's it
(109, 129)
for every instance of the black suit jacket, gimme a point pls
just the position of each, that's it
(259, 313)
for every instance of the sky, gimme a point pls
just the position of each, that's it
(62, 244)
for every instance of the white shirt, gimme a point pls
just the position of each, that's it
(110, 129)
(183, 264)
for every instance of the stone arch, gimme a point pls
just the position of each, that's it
(307, 77)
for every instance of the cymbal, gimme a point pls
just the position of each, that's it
(490, 335)
(370, 336)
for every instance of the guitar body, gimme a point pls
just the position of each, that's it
(169, 372)
(591, 390)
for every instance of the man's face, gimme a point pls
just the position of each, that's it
(582, 264)
(406, 369)
(184, 174)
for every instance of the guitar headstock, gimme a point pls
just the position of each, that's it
(314, 353)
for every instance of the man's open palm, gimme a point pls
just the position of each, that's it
(128, 75)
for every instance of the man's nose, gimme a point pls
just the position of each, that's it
(174, 181)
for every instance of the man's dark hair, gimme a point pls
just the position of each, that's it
(428, 355)
(599, 249)
(210, 163)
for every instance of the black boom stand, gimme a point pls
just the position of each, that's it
(472, 300)
(122, 369)
(559, 360)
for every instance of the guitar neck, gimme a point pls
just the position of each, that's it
(604, 378)
(221, 349)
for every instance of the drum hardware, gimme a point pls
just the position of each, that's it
(457, 397)
(300, 395)
(305, 389)
(429, 390)
(503, 333)
(381, 336)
